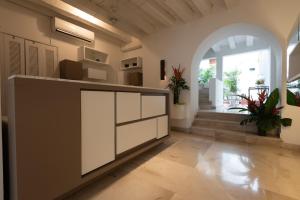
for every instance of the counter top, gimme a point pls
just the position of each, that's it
(115, 86)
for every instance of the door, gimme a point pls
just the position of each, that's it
(97, 129)
(13, 62)
(41, 59)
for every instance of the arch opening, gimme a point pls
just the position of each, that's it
(229, 32)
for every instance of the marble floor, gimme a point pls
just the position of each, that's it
(189, 167)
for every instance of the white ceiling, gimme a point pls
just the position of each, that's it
(238, 41)
(143, 17)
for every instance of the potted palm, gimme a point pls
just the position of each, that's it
(264, 112)
(176, 84)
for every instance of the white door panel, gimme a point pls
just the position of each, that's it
(98, 129)
(128, 106)
(132, 135)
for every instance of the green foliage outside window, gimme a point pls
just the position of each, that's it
(230, 82)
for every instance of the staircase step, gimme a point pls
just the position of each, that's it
(220, 134)
(221, 116)
(204, 91)
(204, 100)
(224, 125)
(205, 106)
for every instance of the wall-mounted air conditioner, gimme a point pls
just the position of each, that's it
(73, 30)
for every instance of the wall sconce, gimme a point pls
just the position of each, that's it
(162, 70)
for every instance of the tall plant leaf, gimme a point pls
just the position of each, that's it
(286, 122)
(272, 101)
(291, 98)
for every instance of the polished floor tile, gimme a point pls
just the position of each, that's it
(189, 167)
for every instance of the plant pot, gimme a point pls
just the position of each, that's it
(261, 132)
(178, 111)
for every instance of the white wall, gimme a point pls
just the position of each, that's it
(31, 25)
(178, 44)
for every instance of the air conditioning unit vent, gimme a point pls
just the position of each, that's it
(62, 26)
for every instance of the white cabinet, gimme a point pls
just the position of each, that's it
(153, 106)
(41, 59)
(97, 129)
(132, 63)
(128, 106)
(162, 127)
(132, 135)
(93, 56)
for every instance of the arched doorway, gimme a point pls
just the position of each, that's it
(227, 32)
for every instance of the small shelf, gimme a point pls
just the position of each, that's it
(131, 63)
(92, 56)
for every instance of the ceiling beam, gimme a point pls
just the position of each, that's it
(106, 16)
(79, 15)
(216, 48)
(203, 6)
(249, 41)
(232, 43)
(151, 10)
(231, 3)
(131, 13)
(180, 8)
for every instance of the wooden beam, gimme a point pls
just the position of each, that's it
(203, 6)
(181, 10)
(231, 42)
(231, 3)
(249, 41)
(106, 15)
(131, 13)
(151, 10)
(216, 48)
(79, 15)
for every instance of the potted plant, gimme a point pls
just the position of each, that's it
(293, 99)
(260, 82)
(264, 112)
(177, 83)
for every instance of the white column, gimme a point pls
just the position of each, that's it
(219, 82)
(273, 71)
(219, 69)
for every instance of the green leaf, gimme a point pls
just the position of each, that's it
(272, 101)
(291, 98)
(286, 122)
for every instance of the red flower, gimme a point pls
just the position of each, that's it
(262, 96)
(178, 72)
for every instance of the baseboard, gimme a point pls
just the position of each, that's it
(290, 146)
(181, 129)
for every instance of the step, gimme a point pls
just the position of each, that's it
(224, 125)
(204, 91)
(203, 96)
(204, 100)
(205, 106)
(249, 138)
(219, 133)
(221, 116)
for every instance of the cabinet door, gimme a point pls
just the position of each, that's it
(153, 106)
(128, 106)
(97, 129)
(41, 59)
(49, 64)
(12, 63)
(162, 127)
(132, 135)
(14, 57)
(32, 58)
